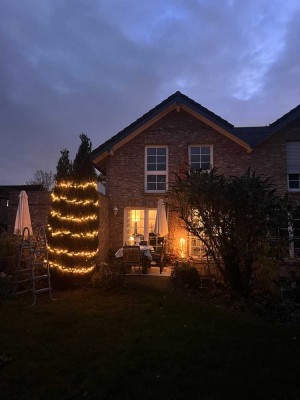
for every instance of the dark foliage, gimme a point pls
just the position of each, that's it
(64, 167)
(235, 219)
(107, 277)
(83, 168)
(185, 277)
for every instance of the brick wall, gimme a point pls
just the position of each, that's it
(103, 228)
(125, 168)
(39, 206)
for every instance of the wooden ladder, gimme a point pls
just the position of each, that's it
(33, 272)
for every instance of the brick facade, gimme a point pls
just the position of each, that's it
(39, 206)
(177, 130)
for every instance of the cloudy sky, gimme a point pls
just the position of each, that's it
(95, 66)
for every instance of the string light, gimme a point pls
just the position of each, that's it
(74, 201)
(86, 235)
(77, 185)
(77, 199)
(73, 218)
(88, 254)
(75, 270)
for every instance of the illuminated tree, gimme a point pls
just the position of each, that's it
(73, 220)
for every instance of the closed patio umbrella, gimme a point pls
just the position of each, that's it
(161, 223)
(23, 216)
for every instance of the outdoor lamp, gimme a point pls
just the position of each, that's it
(115, 210)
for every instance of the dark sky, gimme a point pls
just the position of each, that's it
(92, 66)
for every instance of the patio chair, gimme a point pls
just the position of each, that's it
(132, 257)
(158, 256)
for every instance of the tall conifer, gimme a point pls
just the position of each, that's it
(73, 219)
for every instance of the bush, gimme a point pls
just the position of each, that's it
(68, 281)
(8, 251)
(185, 277)
(6, 285)
(107, 277)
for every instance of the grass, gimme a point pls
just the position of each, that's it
(142, 343)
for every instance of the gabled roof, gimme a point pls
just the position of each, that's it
(247, 137)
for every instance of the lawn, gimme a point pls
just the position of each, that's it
(142, 343)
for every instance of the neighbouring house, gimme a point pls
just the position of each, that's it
(139, 164)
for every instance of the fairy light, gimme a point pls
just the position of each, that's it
(86, 235)
(66, 252)
(76, 270)
(77, 185)
(74, 201)
(84, 229)
(73, 218)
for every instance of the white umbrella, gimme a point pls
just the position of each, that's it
(161, 223)
(23, 216)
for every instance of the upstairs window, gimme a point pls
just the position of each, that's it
(200, 157)
(156, 169)
(293, 165)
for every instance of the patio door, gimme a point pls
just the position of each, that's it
(138, 221)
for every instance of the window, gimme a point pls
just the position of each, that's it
(294, 181)
(138, 222)
(293, 165)
(200, 157)
(156, 169)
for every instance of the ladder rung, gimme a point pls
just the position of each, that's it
(24, 280)
(41, 277)
(23, 270)
(39, 263)
(23, 291)
(42, 290)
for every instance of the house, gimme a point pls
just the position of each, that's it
(139, 163)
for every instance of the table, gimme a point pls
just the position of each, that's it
(145, 250)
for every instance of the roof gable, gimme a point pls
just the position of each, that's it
(175, 101)
(247, 137)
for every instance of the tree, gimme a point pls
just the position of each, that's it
(234, 218)
(64, 167)
(74, 216)
(44, 178)
(83, 168)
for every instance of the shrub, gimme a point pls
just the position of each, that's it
(107, 277)
(6, 285)
(8, 251)
(185, 277)
(66, 281)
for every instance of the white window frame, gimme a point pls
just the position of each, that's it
(288, 183)
(292, 162)
(202, 145)
(166, 172)
(146, 221)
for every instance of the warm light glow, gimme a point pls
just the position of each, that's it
(135, 216)
(182, 243)
(86, 235)
(74, 201)
(73, 218)
(75, 270)
(77, 185)
(131, 240)
(87, 254)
